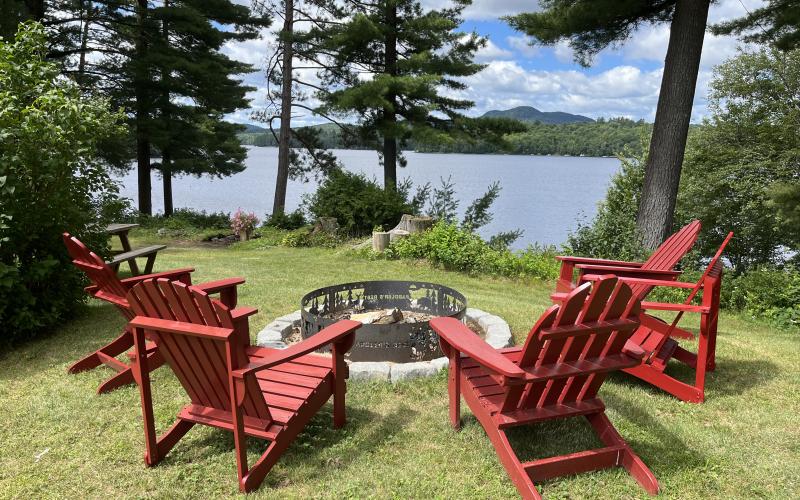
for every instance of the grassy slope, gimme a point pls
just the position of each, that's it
(744, 442)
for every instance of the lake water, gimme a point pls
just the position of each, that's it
(542, 195)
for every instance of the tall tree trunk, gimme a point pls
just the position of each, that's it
(143, 170)
(166, 180)
(140, 83)
(166, 158)
(34, 9)
(389, 114)
(668, 143)
(279, 204)
(86, 12)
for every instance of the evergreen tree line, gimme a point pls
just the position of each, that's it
(601, 138)
(160, 61)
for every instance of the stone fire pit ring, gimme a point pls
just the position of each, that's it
(498, 335)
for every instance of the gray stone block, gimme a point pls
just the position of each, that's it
(408, 371)
(293, 318)
(486, 321)
(440, 363)
(268, 335)
(370, 370)
(498, 336)
(475, 314)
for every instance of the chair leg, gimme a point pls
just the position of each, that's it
(125, 377)
(627, 458)
(514, 468)
(339, 388)
(454, 388)
(680, 390)
(253, 478)
(168, 440)
(121, 379)
(113, 348)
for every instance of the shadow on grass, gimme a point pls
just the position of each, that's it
(732, 377)
(91, 329)
(664, 453)
(312, 451)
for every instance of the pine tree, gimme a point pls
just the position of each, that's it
(195, 85)
(287, 92)
(393, 63)
(776, 23)
(161, 62)
(592, 25)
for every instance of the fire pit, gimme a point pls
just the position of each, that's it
(395, 316)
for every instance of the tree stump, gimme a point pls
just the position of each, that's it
(380, 241)
(397, 234)
(419, 224)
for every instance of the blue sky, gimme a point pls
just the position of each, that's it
(622, 81)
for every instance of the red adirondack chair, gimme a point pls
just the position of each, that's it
(108, 287)
(654, 336)
(660, 265)
(252, 391)
(555, 375)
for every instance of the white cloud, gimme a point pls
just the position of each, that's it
(620, 91)
(491, 52)
(623, 90)
(521, 44)
(563, 52)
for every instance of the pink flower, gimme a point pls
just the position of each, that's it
(243, 222)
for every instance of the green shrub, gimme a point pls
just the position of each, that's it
(184, 218)
(293, 220)
(305, 238)
(612, 234)
(357, 203)
(52, 181)
(772, 294)
(459, 249)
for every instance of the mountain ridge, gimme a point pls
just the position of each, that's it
(531, 114)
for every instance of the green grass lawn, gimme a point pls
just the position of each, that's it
(59, 439)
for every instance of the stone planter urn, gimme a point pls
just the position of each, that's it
(245, 235)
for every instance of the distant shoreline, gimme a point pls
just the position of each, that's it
(458, 153)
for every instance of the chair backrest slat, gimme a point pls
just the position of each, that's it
(592, 324)
(669, 253)
(200, 364)
(109, 287)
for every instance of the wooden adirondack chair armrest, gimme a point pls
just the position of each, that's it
(243, 312)
(219, 285)
(627, 271)
(172, 274)
(164, 325)
(642, 281)
(328, 335)
(634, 351)
(464, 340)
(599, 262)
(667, 306)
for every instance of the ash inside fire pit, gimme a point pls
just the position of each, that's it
(395, 315)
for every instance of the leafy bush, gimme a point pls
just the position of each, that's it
(357, 203)
(183, 218)
(52, 181)
(612, 234)
(459, 249)
(772, 294)
(305, 238)
(294, 220)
